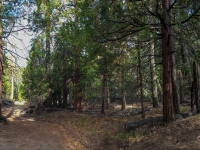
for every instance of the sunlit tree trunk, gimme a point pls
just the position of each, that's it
(153, 77)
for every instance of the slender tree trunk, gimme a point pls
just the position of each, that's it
(184, 54)
(107, 94)
(77, 96)
(141, 84)
(192, 96)
(12, 85)
(48, 46)
(153, 72)
(85, 97)
(103, 93)
(59, 98)
(181, 86)
(196, 85)
(123, 92)
(64, 92)
(1, 57)
(167, 71)
(153, 77)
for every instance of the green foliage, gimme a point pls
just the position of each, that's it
(182, 109)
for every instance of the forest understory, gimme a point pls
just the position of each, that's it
(90, 130)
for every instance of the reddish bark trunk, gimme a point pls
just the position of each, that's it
(167, 61)
(77, 96)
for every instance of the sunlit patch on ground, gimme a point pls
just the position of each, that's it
(19, 103)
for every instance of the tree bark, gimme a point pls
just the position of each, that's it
(64, 104)
(48, 46)
(181, 87)
(107, 94)
(167, 61)
(141, 84)
(103, 93)
(192, 96)
(184, 54)
(123, 92)
(78, 91)
(153, 77)
(196, 85)
(1, 57)
(77, 96)
(174, 78)
(152, 68)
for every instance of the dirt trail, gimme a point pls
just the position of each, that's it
(26, 133)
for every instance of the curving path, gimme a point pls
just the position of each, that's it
(24, 133)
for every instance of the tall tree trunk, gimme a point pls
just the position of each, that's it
(152, 67)
(48, 46)
(1, 57)
(77, 96)
(103, 93)
(174, 78)
(48, 38)
(167, 61)
(64, 105)
(123, 92)
(141, 84)
(107, 94)
(196, 85)
(181, 86)
(192, 96)
(184, 54)
(153, 77)
(78, 91)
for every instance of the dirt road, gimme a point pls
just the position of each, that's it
(25, 133)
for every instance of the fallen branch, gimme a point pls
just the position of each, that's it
(57, 109)
(134, 125)
(6, 102)
(92, 110)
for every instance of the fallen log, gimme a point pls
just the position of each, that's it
(57, 109)
(88, 110)
(133, 125)
(5, 102)
(138, 111)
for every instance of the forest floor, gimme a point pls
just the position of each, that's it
(66, 130)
